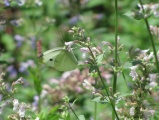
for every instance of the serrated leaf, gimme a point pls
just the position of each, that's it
(99, 58)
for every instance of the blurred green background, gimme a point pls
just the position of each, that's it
(50, 22)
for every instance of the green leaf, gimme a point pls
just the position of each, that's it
(99, 58)
(134, 14)
(92, 68)
(125, 95)
(8, 42)
(94, 3)
(100, 100)
(81, 117)
(36, 80)
(3, 62)
(127, 65)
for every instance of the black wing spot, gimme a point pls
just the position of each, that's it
(51, 59)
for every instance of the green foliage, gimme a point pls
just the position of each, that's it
(44, 87)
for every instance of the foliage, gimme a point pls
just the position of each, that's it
(111, 48)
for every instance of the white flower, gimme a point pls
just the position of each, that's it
(152, 112)
(132, 111)
(22, 110)
(38, 2)
(84, 49)
(88, 86)
(21, 2)
(153, 77)
(133, 72)
(153, 84)
(37, 118)
(15, 104)
(69, 44)
(84, 55)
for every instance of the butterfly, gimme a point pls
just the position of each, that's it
(59, 58)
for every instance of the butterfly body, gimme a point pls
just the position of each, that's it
(59, 58)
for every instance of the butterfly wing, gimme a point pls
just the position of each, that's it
(65, 61)
(49, 56)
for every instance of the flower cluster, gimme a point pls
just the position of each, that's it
(21, 2)
(18, 108)
(145, 81)
(150, 9)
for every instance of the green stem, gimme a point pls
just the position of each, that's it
(73, 111)
(95, 104)
(95, 110)
(116, 53)
(105, 87)
(151, 37)
(116, 47)
(39, 104)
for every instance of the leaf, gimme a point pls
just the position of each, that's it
(100, 100)
(99, 58)
(94, 3)
(81, 117)
(92, 68)
(134, 15)
(125, 95)
(74, 102)
(127, 65)
(9, 42)
(37, 81)
(3, 62)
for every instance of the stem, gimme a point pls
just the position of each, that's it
(95, 104)
(39, 104)
(116, 46)
(151, 37)
(73, 111)
(105, 87)
(116, 53)
(95, 110)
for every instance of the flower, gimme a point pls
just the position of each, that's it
(132, 111)
(6, 2)
(153, 84)
(17, 22)
(38, 2)
(21, 110)
(133, 72)
(84, 49)
(15, 104)
(19, 39)
(88, 86)
(35, 103)
(24, 65)
(74, 20)
(12, 71)
(37, 118)
(21, 2)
